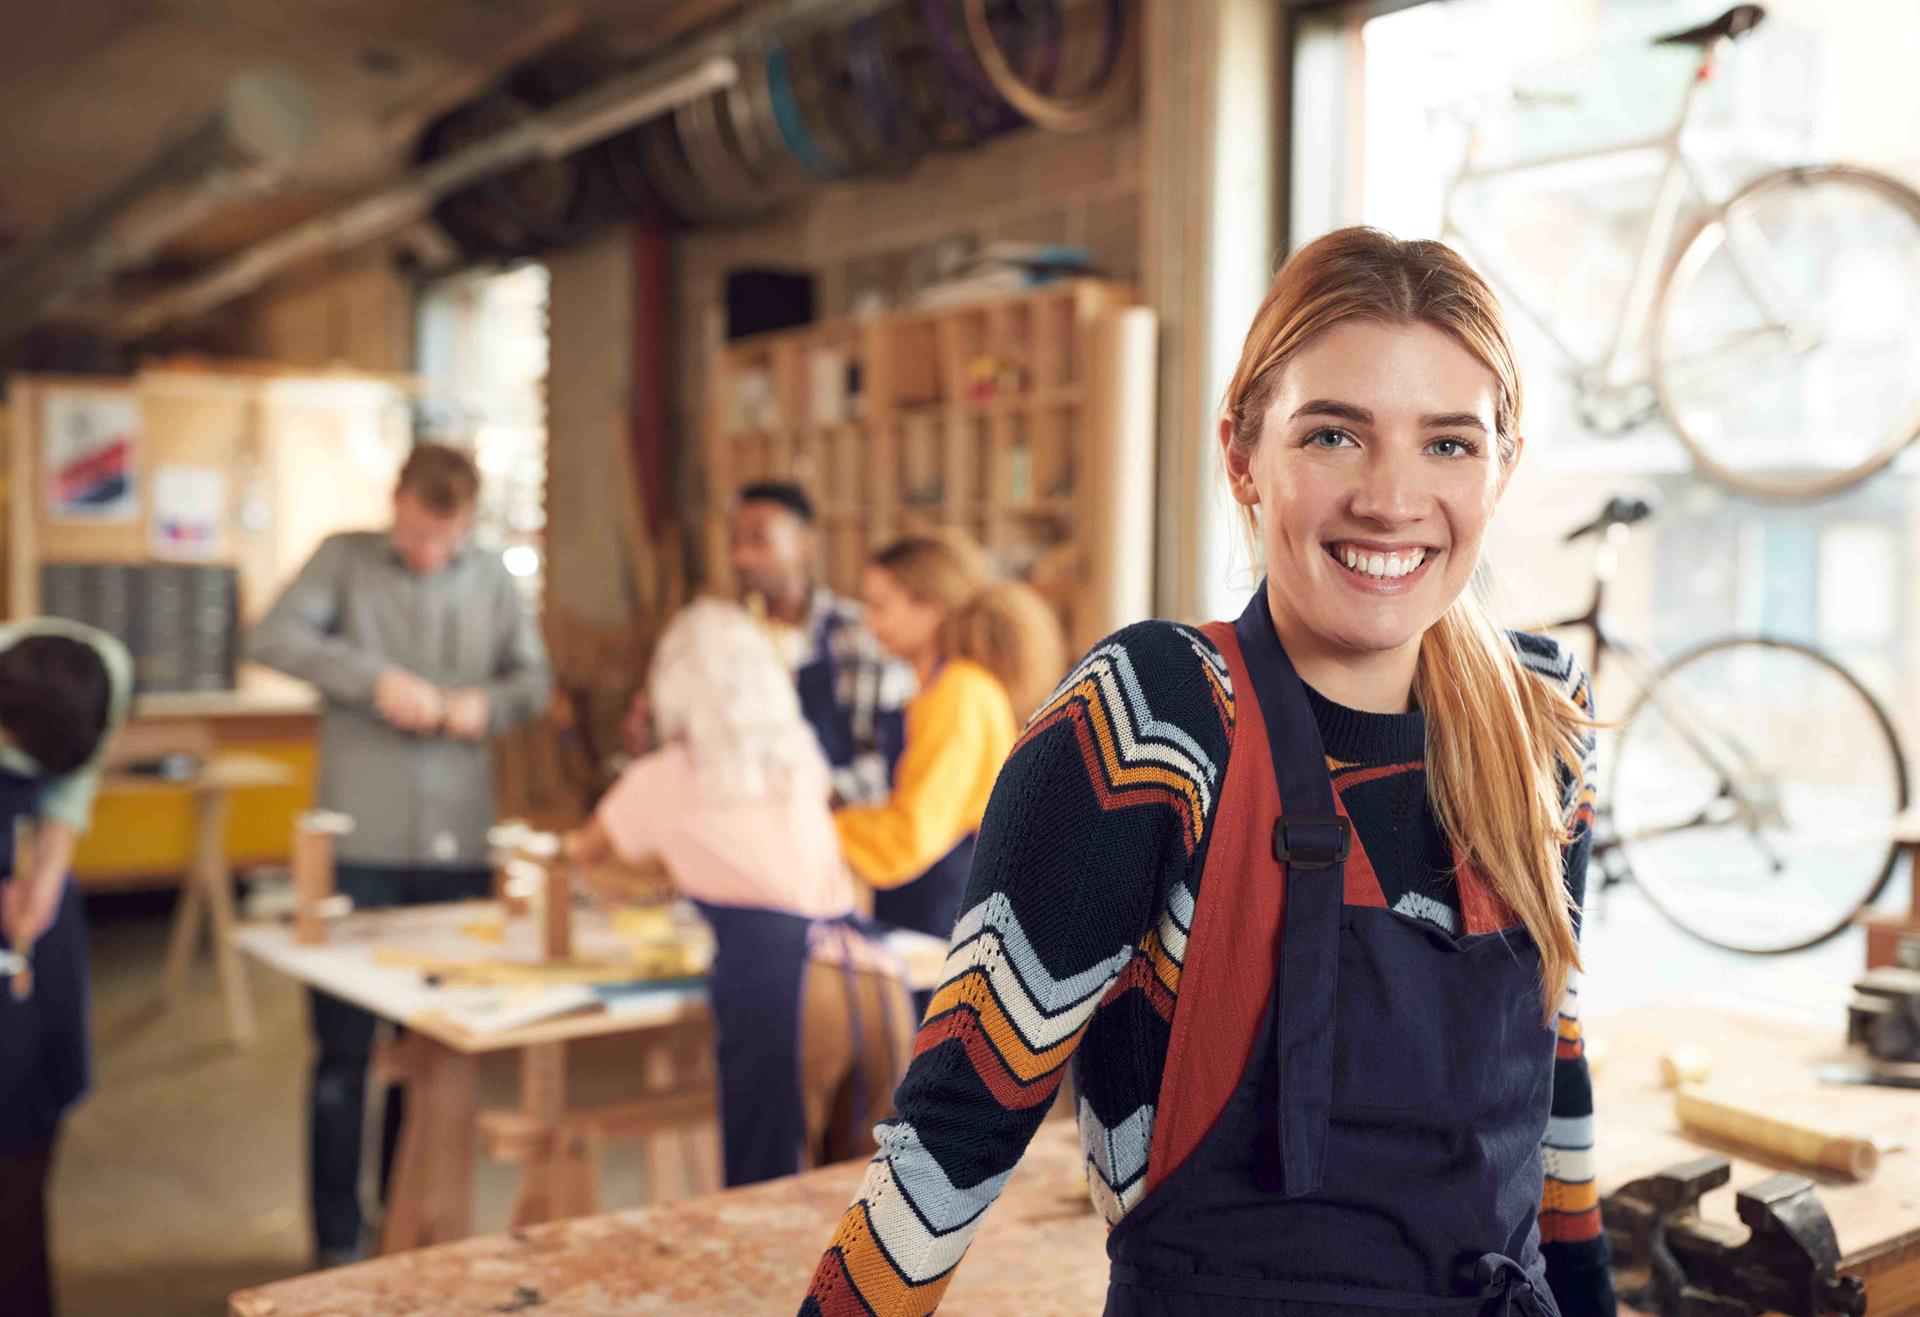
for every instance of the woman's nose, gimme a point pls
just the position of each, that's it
(1391, 491)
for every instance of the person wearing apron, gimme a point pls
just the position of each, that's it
(985, 654)
(64, 688)
(811, 1015)
(1326, 1053)
(851, 693)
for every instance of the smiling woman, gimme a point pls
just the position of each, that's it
(1347, 834)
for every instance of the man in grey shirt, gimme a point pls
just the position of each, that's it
(423, 649)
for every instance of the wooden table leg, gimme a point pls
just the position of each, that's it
(563, 1179)
(184, 939)
(211, 808)
(430, 1198)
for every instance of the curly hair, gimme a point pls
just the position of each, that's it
(718, 687)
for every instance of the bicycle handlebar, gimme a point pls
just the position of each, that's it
(1620, 511)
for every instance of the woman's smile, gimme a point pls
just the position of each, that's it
(1380, 568)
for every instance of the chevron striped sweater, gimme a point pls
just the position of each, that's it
(1069, 949)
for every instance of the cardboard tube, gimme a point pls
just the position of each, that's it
(312, 883)
(1831, 1150)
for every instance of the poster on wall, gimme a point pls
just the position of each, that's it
(89, 445)
(189, 513)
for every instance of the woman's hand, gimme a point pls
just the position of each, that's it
(586, 845)
(27, 908)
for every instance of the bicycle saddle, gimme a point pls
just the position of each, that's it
(1620, 511)
(1736, 22)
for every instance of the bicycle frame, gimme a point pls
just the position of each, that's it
(1642, 667)
(1679, 179)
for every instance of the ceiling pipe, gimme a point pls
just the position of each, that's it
(265, 125)
(604, 111)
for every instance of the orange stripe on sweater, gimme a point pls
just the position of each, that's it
(964, 1027)
(1142, 785)
(970, 992)
(857, 1278)
(1559, 1196)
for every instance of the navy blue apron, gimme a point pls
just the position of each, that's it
(44, 1061)
(815, 683)
(1381, 1151)
(754, 988)
(818, 685)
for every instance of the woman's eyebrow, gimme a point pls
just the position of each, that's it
(1346, 411)
(1453, 421)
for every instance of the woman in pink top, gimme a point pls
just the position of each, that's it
(812, 1018)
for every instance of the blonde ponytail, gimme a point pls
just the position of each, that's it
(1499, 738)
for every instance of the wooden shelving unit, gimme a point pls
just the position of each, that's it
(1026, 422)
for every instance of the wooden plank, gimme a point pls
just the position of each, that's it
(751, 1250)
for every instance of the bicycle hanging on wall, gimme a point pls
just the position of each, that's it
(1780, 341)
(1754, 782)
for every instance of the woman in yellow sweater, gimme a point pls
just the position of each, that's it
(987, 653)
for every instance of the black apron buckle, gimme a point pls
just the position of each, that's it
(1312, 841)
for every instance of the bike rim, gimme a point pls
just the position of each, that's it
(1715, 882)
(1785, 388)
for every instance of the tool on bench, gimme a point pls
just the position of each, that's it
(1788, 1262)
(1884, 1015)
(1842, 1072)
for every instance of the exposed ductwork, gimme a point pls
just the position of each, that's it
(264, 126)
(611, 108)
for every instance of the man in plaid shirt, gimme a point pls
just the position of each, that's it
(850, 691)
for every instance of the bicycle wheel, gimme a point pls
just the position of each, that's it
(1786, 343)
(1753, 792)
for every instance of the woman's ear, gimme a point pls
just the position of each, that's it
(1239, 467)
(1519, 447)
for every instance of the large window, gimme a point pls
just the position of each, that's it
(482, 354)
(1385, 113)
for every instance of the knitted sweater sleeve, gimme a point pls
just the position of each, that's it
(1098, 810)
(1579, 1265)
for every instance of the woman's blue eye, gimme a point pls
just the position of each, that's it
(1460, 447)
(1338, 438)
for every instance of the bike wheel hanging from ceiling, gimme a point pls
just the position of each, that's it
(865, 98)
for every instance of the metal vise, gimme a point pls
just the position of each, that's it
(1787, 1260)
(1884, 1015)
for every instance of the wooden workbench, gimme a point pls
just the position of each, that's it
(753, 1250)
(448, 1027)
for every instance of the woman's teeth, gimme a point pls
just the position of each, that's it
(1384, 565)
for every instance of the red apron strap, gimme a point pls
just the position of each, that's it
(1235, 942)
(1236, 936)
